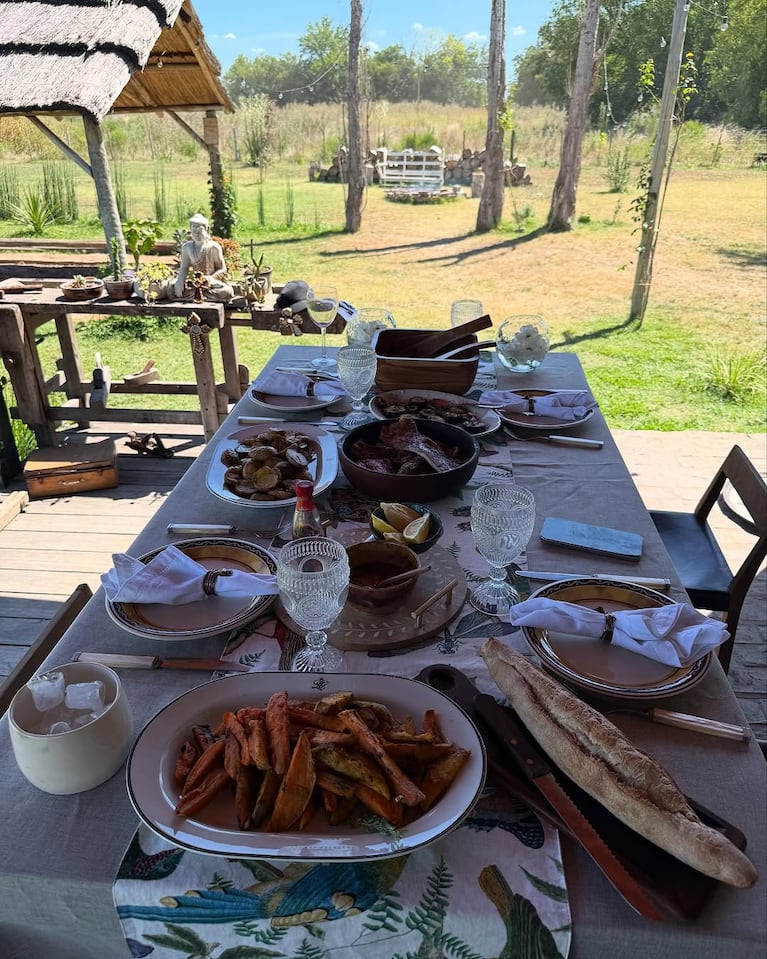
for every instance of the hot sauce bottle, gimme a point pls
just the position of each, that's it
(306, 518)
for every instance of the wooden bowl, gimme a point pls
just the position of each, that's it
(400, 367)
(416, 488)
(376, 560)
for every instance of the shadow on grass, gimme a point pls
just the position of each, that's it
(743, 258)
(627, 326)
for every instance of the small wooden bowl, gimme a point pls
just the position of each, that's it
(376, 560)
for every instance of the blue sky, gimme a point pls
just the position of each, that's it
(252, 28)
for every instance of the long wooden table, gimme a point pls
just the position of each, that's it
(59, 855)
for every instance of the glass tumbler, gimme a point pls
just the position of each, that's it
(361, 328)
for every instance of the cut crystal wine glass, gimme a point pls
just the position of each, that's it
(322, 306)
(461, 311)
(313, 577)
(357, 371)
(502, 520)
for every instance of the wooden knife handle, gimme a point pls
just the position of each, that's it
(442, 340)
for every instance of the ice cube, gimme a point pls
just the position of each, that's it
(47, 690)
(59, 728)
(82, 719)
(88, 696)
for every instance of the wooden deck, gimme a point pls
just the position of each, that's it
(57, 543)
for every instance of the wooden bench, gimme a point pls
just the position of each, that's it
(411, 168)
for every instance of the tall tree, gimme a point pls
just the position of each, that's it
(490, 208)
(590, 55)
(356, 185)
(324, 49)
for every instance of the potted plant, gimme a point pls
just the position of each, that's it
(82, 287)
(140, 237)
(256, 278)
(150, 278)
(119, 286)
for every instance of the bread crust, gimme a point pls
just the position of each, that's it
(596, 755)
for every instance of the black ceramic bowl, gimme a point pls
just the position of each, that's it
(421, 487)
(435, 526)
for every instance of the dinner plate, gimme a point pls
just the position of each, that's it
(599, 667)
(154, 793)
(489, 418)
(292, 404)
(535, 421)
(211, 616)
(323, 469)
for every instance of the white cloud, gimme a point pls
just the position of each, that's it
(475, 37)
(372, 47)
(230, 36)
(518, 31)
(418, 27)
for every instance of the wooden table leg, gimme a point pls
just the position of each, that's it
(228, 341)
(70, 361)
(199, 337)
(17, 346)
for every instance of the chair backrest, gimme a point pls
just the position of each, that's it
(751, 488)
(51, 634)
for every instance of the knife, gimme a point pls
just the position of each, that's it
(125, 661)
(654, 582)
(525, 752)
(557, 440)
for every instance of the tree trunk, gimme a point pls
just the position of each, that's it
(490, 208)
(108, 213)
(562, 209)
(356, 185)
(653, 205)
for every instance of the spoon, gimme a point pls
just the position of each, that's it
(402, 577)
(466, 348)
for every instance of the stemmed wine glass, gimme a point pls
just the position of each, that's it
(357, 371)
(313, 577)
(502, 520)
(322, 306)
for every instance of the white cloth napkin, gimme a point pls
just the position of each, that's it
(564, 405)
(676, 635)
(173, 578)
(297, 384)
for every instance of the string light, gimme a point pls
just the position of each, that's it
(662, 42)
(724, 24)
(311, 85)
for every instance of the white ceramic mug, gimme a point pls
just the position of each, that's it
(79, 759)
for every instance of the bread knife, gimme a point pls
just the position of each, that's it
(522, 747)
(125, 661)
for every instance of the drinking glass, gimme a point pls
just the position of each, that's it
(522, 342)
(313, 577)
(361, 328)
(357, 371)
(502, 520)
(322, 306)
(461, 311)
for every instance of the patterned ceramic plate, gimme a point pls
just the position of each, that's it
(599, 667)
(489, 419)
(214, 615)
(154, 793)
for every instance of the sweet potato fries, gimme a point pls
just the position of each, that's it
(286, 761)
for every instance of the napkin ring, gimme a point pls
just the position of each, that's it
(607, 635)
(209, 580)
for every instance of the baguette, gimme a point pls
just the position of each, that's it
(601, 760)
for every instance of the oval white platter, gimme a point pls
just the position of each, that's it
(488, 417)
(154, 793)
(323, 469)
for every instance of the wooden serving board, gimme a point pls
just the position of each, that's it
(364, 630)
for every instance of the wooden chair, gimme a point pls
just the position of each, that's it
(699, 561)
(30, 662)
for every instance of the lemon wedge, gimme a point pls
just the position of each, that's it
(418, 530)
(394, 537)
(381, 526)
(398, 516)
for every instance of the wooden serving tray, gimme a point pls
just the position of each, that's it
(364, 630)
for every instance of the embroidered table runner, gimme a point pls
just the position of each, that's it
(493, 887)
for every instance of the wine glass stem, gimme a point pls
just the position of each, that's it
(316, 639)
(324, 354)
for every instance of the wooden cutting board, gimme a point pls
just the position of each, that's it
(364, 630)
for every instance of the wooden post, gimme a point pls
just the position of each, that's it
(110, 217)
(203, 371)
(211, 136)
(20, 357)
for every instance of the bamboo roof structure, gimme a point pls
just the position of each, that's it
(94, 57)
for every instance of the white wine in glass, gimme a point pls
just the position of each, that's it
(322, 306)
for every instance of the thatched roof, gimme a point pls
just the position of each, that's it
(93, 56)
